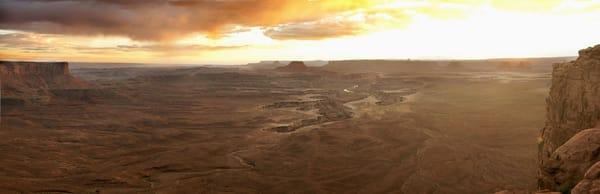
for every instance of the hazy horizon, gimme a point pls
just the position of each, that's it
(268, 61)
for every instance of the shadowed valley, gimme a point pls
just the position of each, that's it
(448, 127)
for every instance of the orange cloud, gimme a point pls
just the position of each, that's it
(161, 20)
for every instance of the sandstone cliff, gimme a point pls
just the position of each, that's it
(21, 69)
(32, 81)
(567, 149)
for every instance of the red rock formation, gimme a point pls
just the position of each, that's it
(32, 81)
(590, 183)
(570, 161)
(573, 106)
(18, 70)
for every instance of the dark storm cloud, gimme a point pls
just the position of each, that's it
(85, 17)
(159, 20)
(37, 43)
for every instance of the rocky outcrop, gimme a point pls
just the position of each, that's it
(299, 68)
(19, 70)
(572, 107)
(294, 66)
(569, 162)
(33, 81)
(590, 183)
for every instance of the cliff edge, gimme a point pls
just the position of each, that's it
(24, 82)
(568, 145)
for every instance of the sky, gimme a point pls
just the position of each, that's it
(245, 31)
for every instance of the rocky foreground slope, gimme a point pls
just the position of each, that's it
(24, 82)
(570, 142)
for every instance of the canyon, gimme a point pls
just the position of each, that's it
(295, 127)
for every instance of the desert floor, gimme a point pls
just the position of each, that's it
(221, 130)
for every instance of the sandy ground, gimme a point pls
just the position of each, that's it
(203, 133)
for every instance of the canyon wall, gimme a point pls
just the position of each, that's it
(33, 81)
(19, 70)
(568, 145)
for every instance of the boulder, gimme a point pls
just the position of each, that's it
(590, 183)
(569, 163)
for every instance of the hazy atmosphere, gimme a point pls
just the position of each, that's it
(300, 96)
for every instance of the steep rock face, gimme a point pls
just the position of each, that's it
(22, 69)
(573, 106)
(32, 81)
